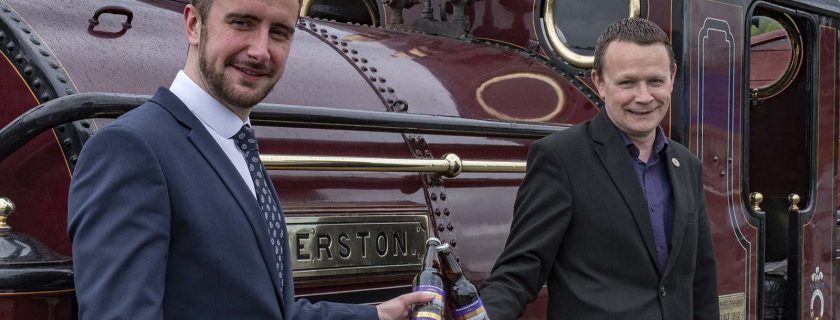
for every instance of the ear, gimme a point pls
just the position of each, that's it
(599, 83)
(673, 72)
(192, 24)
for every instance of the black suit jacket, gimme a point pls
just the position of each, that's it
(581, 223)
(163, 226)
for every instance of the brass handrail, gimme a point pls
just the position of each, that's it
(450, 165)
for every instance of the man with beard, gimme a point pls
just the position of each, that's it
(171, 213)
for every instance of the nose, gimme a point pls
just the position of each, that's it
(643, 95)
(258, 47)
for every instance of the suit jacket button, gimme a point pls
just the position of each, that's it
(662, 291)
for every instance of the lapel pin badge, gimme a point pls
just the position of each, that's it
(675, 162)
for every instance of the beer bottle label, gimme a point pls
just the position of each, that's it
(472, 311)
(432, 310)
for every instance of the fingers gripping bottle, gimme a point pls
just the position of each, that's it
(430, 279)
(463, 295)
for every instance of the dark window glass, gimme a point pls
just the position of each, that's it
(579, 22)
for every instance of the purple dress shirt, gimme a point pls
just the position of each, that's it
(653, 177)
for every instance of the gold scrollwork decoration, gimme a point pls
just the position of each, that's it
(561, 98)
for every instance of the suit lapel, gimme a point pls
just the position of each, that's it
(214, 155)
(616, 159)
(679, 190)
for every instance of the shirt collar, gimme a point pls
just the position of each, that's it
(210, 111)
(660, 143)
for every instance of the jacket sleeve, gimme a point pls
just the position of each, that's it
(543, 207)
(118, 222)
(303, 310)
(705, 293)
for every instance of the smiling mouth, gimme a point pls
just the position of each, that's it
(251, 72)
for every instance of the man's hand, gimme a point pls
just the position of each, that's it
(400, 307)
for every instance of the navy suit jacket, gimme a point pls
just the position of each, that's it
(163, 226)
(581, 224)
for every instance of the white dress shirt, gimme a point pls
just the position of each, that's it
(217, 119)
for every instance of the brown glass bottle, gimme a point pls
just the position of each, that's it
(429, 279)
(463, 295)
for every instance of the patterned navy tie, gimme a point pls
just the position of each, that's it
(247, 142)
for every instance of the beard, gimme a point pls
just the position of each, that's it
(223, 88)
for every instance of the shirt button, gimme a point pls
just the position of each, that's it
(662, 291)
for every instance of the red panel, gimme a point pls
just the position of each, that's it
(35, 177)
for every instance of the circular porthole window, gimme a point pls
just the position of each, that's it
(354, 11)
(775, 53)
(572, 27)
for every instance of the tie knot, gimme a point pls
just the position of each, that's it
(245, 139)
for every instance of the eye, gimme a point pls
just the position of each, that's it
(240, 23)
(626, 83)
(280, 33)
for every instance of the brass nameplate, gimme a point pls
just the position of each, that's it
(732, 306)
(346, 245)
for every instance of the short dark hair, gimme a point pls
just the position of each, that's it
(203, 7)
(635, 30)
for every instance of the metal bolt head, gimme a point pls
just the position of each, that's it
(6, 209)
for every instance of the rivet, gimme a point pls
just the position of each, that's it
(412, 140)
(390, 101)
(422, 140)
(69, 91)
(68, 142)
(381, 89)
(60, 128)
(364, 60)
(429, 155)
(343, 43)
(449, 227)
(323, 35)
(75, 158)
(446, 211)
(364, 69)
(335, 43)
(15, 19)
(381, 79)
(355, 59)
(36, 83)
(715, 158)
(722, 173)
(44, 53)
(453, 243)
(19, 58)
(437, 211)
(323, 30)
(25, 30)
(433, 196)
(440, 227)
(354, 51)
(333, 37)
(442, 196)
(34, 41)
(390, 90)
(6, 10)
(372, 79)
(85, 124)
(372, 69)
(45, 97)
(344, 50)
(418, 153)
(311, 25)
(53, 64)
(399, 105)
(27, 70)
(61, 78)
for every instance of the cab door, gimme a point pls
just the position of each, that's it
(788, 149)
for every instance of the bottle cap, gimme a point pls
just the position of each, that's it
(445, 248)
(433, 240)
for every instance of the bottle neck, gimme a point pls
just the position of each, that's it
(429, 261)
